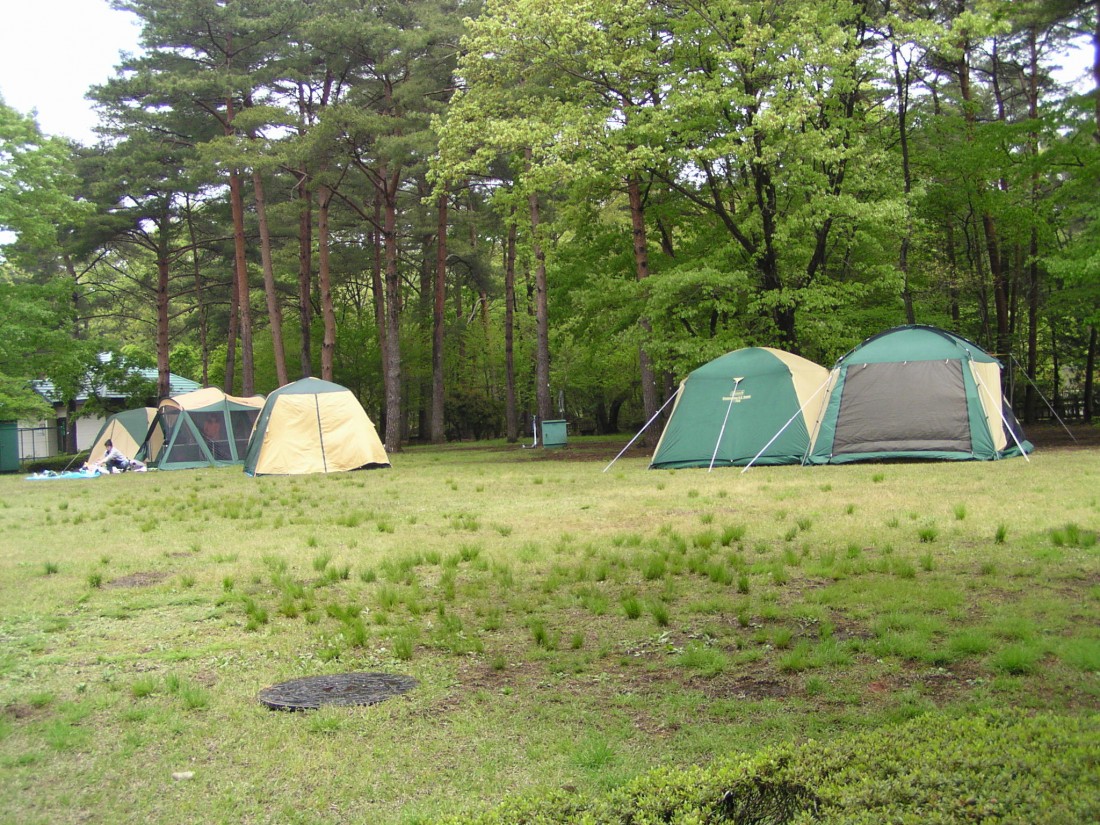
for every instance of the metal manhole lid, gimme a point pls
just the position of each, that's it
(310, 692)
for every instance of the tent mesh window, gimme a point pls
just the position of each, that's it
(185, 448)
(212, 427)
(242, 421)
(913, 406)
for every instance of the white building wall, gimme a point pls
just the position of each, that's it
(86, 431)
(37, 439)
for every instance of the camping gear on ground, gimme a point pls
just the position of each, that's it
(127, 430)
(916, 392)
(204, 428)
(750, 406)
(313, 426)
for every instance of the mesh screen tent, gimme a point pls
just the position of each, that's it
(205, 428)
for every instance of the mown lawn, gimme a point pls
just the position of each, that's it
(569, 628)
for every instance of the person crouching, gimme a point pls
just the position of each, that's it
(113, 460)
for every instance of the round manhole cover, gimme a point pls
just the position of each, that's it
(340, 689)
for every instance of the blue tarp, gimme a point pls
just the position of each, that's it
(50, 475)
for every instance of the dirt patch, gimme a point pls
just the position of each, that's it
(741, 687)
(603, 451)
(21, 711)
(1053, 436)
(138, 579)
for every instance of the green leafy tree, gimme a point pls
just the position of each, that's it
(38, 184)
(37, 344)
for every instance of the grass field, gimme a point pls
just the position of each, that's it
(568, 628)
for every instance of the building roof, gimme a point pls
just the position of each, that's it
(177, 385)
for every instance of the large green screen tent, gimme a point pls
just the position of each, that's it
(204, 428)
(126, 431)
(916, 392)
(754, 403)
(313, 426)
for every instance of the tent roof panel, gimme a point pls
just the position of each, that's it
(914, 343)
(209, 397)
(309, 386)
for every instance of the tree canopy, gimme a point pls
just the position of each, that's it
(471, 214)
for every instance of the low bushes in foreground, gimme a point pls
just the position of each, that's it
(998, 767)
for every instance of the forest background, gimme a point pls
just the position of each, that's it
(471, 214)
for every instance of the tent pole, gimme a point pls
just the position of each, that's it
(1053, 411)
(722, 432)
(642, 430)
(1000, 408)
(534, 433)
(789, 422)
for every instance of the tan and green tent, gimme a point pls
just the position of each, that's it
(313, 426)
(204, 428)
(916, 392)
(126, 431)
(751, 406)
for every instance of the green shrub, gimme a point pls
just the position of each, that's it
(1001, 767)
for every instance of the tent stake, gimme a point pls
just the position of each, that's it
(642, 430)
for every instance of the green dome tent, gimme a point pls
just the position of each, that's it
(204, 428)
(751, 406)
(313, 426)
(916, 392)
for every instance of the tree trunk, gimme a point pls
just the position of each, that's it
(1031, 400)
(439, 299)
(650, 403)
(200, 299)
(543, 401)
(767, 259)
(163, 373)
(901, 87)
(1096, 71)
(324, 278)
(248, 372)
(305, 274)
(989, 226)
(1090, 375)
(511, 419)
(231, 344)
(379, 292)
(425, 313)
(274, 312)
(393, 313)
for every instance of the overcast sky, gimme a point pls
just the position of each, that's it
(51, 51)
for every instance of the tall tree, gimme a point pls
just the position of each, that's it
(211, 56)
(404, 54)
